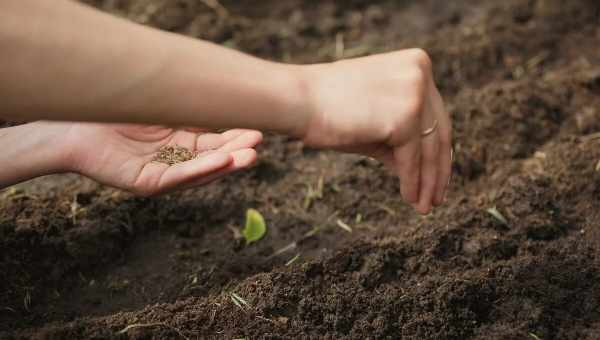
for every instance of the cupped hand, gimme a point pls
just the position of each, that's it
(381, 106)
(121, 155)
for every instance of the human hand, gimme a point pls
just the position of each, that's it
(120, 155)
(381, 106)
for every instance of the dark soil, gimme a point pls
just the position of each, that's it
(522, 81)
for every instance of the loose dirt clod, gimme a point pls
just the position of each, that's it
(171, 155)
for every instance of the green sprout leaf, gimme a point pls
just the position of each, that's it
(239, 302)
(497, 215)
(534, 336)
(239, 299)
(255, 226)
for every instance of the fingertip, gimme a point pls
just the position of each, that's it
(243, 139)
(426, 198)
(425, 204)
(244, 158)
(409, 192)
(423, 208)
(235, 133)
(256, 137)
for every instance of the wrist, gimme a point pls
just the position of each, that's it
(316, 91)
(300, 101)
(51, 140)
(34, 150)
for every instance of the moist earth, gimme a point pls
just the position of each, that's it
(522, 83)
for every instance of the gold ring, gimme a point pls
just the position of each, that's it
(430, 130)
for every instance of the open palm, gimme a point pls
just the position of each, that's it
(120, 155)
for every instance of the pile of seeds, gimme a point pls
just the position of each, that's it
(170, 154)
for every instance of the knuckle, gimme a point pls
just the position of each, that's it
(414, 107)
(422, 59)
(414, 101)
(417, 82)
(418, 78)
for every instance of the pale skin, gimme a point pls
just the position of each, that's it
(64, 62)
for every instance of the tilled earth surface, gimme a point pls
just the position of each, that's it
(522, 82)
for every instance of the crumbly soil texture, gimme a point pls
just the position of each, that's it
(514, 254)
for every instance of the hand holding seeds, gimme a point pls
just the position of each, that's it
(148, 160)
(387, 107)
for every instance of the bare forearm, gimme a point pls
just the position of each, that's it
(29, 152)
(64, 61)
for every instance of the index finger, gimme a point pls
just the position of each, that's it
(407, 160)
(445, 148)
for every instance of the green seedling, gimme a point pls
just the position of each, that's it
(313, 193)
(497, 215)
(239, 301)
(534, 336)
(255, 226)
